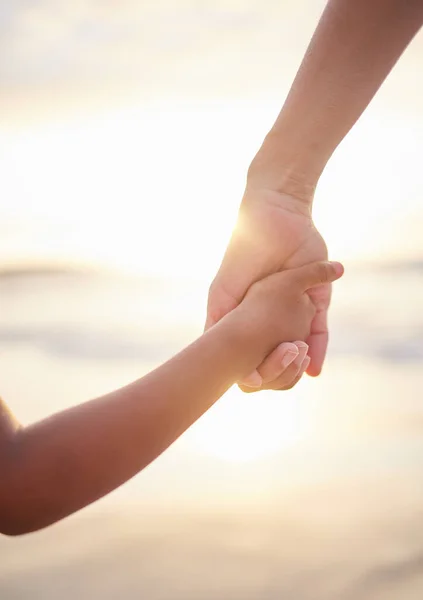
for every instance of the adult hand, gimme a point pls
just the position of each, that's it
(274, 231)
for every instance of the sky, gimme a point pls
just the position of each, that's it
(126, 130)
(92, 54)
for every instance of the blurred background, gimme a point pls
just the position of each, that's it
(126, 130)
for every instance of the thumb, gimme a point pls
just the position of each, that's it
(317, 273)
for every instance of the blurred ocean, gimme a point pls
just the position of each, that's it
(324, 499)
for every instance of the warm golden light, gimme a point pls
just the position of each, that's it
(245, 428)
(167, 203)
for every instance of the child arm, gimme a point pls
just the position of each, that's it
(57, 466)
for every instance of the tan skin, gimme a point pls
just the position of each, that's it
(57, 466)
(355, 45)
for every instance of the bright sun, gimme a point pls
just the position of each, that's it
(155, 191)
(243, 428)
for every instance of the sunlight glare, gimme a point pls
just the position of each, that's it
(242, 428)
(156, 191)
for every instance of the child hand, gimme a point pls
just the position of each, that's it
(278, 309)
(281, 369)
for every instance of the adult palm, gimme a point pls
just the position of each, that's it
(275, 231)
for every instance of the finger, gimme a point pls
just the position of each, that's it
(248, 389)
(253, 380)
(273, 366)
(305, 365)
(289, 371)
(318, 348)
(318, 273)
(318, 342)
(285, 380)
(300, 373)
(285, 385)
(278, 361)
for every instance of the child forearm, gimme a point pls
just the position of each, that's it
(57, 466)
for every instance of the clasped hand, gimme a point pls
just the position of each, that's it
(274, 232)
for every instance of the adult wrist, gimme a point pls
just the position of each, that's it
(279, 167)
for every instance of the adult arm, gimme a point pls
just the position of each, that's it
(354, 47)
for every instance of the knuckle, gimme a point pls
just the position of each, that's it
(285, 381)
(326, 272)
(322, 273)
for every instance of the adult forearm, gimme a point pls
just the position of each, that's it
(354, 47)
(69, 460)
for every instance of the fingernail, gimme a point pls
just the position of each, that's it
(253, 380)
(301, 345)
(289, 358)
